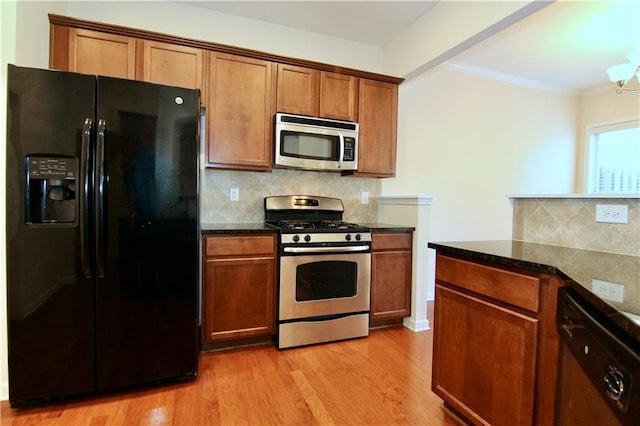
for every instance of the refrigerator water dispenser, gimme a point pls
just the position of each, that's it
(50, 189)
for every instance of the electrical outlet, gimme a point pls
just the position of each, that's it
(364, 197)
(612, 213)
(608, 290)
(234, 194)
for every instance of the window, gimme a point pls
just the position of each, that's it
(614, 158)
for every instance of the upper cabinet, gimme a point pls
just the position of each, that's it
(92, 52)
(240, 112)
(308, 91)
(298, 90)
(241, 89)
(171, 64)
(338, 96)
(378, 118)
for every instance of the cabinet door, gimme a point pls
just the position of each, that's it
(240, 112)
(171, 64)
(238, 298)
(338, 96)
(297, 90)
(390, 285)
(484, 359)
(92, 52)
(378, 117)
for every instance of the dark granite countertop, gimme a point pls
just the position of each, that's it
(236, 228)
(585, 269)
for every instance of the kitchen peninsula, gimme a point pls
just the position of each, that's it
(505, 292)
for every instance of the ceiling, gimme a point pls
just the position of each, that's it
(566, 46)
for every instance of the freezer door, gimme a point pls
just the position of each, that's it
(50, 294)
(146, 232)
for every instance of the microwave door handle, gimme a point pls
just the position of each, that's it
(341, 159)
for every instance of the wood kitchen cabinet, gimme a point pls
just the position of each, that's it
(298, 90)
(240, 112)
(391, 272)
(171, 64)
(92, 52)
(324, 94)
(495, 345)
(240, 89)
(239, 287)
(338, 96)
(112, 55)
(378, 119)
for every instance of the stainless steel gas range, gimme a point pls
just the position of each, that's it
(325, 270)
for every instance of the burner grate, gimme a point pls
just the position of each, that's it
(296, 225)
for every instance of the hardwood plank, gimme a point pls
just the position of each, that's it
(383, 379)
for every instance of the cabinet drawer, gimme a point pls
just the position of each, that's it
(240, 245)
(391, 241)
(516, 289)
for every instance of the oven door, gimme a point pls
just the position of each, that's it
(319, 285)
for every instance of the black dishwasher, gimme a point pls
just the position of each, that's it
(598, 374)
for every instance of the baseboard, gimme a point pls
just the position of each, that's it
(4, 391)
(416, 326)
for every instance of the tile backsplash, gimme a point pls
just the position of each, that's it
(570, 222)
(254, 186)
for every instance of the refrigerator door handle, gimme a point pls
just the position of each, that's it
(99, 197)
(85, 167)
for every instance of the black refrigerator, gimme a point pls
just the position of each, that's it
(102, 234)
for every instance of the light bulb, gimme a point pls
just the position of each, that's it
(634, 57)
(621, 72)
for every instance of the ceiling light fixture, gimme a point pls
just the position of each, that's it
(621, 74)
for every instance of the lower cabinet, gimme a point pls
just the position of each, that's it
(239, 287)
(391, 272)
(495, 346)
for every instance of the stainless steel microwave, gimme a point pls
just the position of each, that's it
(315, 143)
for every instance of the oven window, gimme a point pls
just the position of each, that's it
(326, 280)
(312, 146)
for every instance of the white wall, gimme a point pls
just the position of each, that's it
(202, 24)
(468, 141)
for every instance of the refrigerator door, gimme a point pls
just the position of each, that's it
(146, 232)
(50, 291)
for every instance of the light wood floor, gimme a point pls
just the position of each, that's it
(383, 379)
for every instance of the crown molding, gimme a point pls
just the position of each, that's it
(507, 78)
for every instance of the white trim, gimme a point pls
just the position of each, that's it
(4, 391)
(416, 326)
(633, 195)
(508, 78)
(621, 124)
(589, 156)
(408, 200)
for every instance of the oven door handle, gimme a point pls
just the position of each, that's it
(348, 249)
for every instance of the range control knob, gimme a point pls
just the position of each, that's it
(358, 237)
(347, 237)
(307, 238)
(615, 383)
(296, 238)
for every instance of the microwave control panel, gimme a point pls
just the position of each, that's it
(349, 149)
